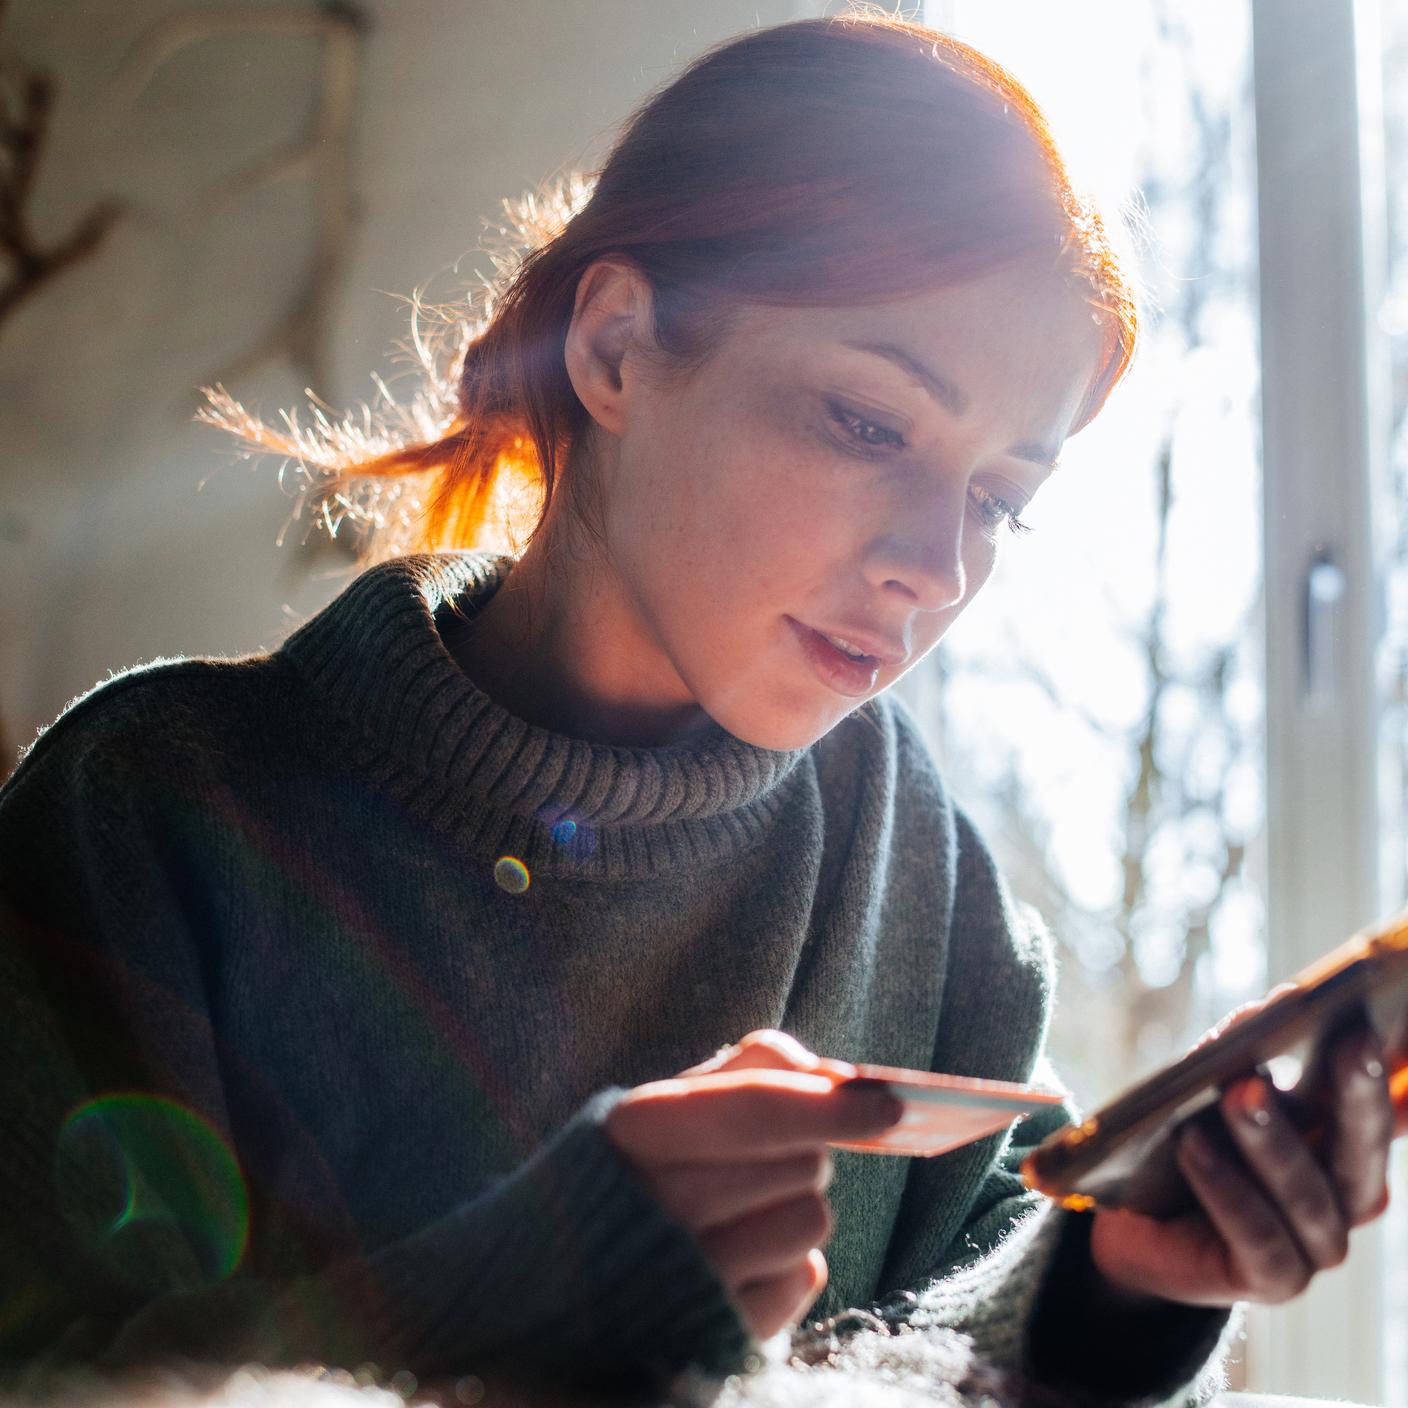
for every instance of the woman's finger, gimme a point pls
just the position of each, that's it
(1362, 1127)
(770, 1304)
(732, 1116)
(1264, 1263)
(770, 1241)
(707, 1195)
(1297, 1185)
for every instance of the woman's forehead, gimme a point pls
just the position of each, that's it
(1025, 329)
(1015, 297)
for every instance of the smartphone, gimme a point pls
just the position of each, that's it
(1123, 1155)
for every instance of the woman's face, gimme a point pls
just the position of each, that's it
(844, 470)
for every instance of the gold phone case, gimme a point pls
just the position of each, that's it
(1123, 1155)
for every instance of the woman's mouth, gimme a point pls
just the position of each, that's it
(847, 674)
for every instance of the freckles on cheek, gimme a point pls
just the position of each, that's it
(979, 561)
(754, 498)
(763, 496)
(793, 488)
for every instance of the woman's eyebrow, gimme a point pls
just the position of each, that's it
(949, 396)
(939, 387)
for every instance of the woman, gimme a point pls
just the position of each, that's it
(358, 989)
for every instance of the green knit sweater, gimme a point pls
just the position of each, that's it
(296, 1067)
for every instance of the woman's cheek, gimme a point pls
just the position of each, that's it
(979, 559)
(782, 485)
(787, 478)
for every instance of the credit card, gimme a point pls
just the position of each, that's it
(941, 1112)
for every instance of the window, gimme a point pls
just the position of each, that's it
(1098, 708)
(1389, 407)
(1190, 643)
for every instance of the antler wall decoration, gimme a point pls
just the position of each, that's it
(321, 154)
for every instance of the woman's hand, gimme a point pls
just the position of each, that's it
(735, 1149)
(1274, 1211)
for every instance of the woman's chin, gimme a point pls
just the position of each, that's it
(779, 729)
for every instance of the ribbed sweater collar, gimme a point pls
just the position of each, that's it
(561, 805)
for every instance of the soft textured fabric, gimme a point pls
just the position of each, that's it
(868, 1381)
(295, 1066)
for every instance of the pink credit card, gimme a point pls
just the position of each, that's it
(941, 1112)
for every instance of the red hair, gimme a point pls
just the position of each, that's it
(829, 161)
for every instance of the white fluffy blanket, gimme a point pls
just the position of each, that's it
(870, 1368)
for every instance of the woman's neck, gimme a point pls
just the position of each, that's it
(560, 650)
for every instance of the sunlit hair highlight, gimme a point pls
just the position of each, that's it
(852, 159)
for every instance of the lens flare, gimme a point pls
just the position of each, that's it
(568, 830)
(511, 874)
(157, 1184)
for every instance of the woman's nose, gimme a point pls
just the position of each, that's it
(924, 559)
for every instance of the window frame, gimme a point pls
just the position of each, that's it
(1323, 404)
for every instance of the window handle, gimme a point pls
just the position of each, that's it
(1324, 590)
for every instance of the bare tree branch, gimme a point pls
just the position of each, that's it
(23, 135)
(1168, 771)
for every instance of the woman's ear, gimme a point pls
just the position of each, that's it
(611, 315)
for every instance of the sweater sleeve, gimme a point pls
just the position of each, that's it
(1022, 1284)
(1018, 1277)
(130, 1233)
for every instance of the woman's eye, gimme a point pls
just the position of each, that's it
(864, 431)
(865, 434)
(994, 510)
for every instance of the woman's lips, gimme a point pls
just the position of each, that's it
(834, 667)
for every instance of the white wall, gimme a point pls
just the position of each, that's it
(110, 552)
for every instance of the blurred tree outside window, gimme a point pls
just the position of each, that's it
(1098, 708)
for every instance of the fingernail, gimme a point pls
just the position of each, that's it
(1198, 1148)
(873, 1097)
(1256, 1103)
(860, 1085)
(1369, 1061)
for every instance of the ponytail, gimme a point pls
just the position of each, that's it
(470, 460)
(825, 161)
